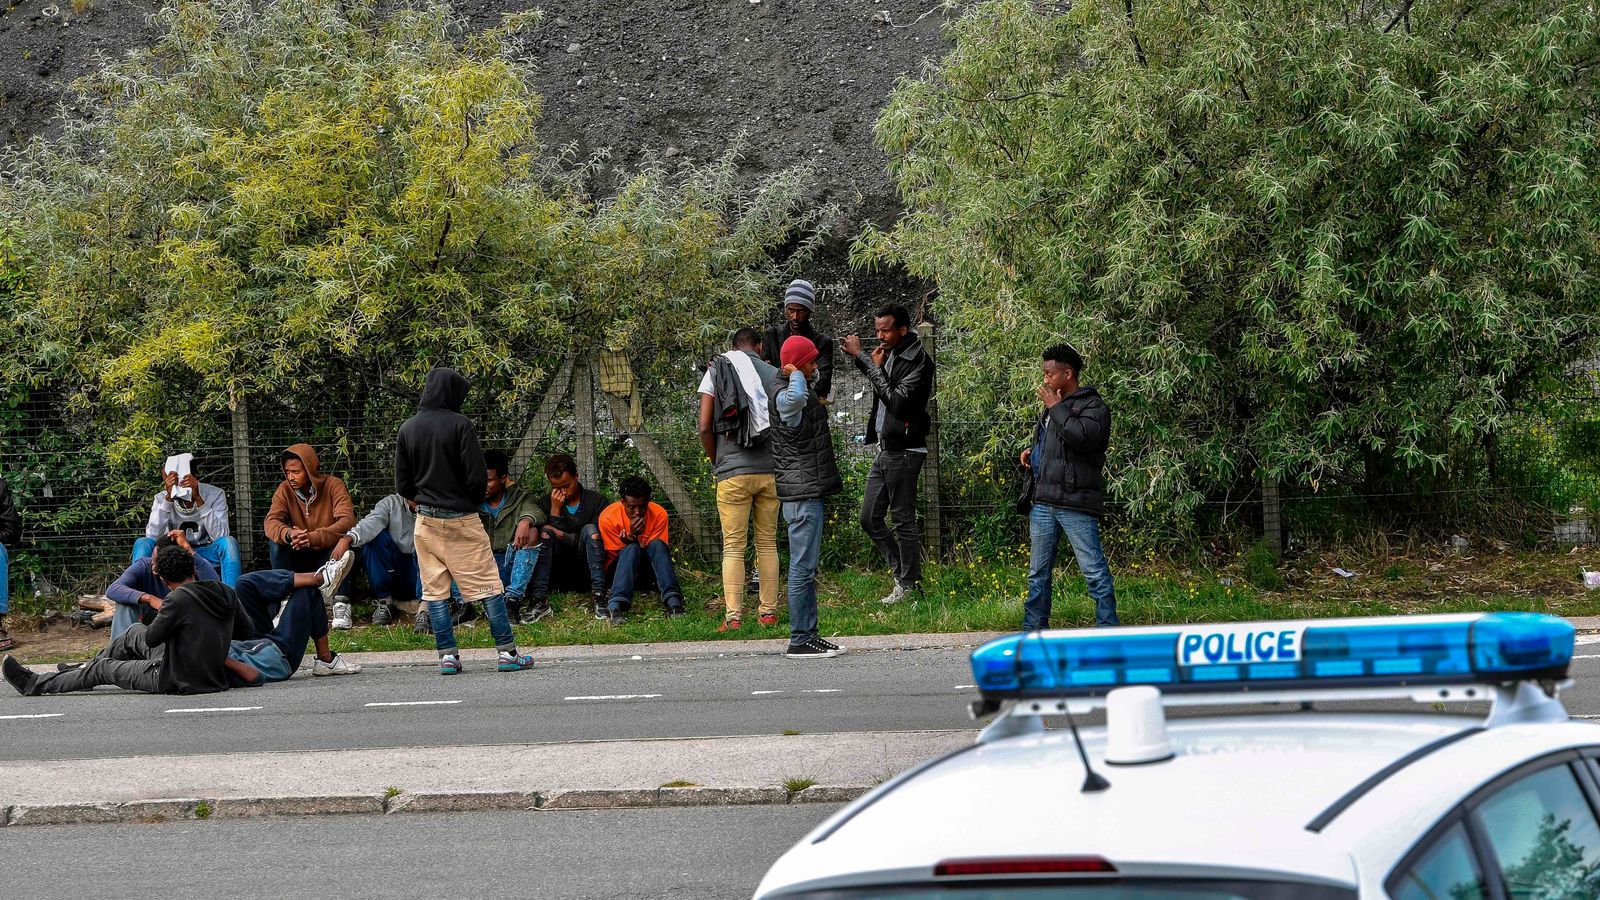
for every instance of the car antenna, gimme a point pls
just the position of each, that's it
(1093, 782)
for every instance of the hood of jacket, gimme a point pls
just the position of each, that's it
(445, 389)
(307, 455)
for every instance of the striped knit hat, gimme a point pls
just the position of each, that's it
(801, 293)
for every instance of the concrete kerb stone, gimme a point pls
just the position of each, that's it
(830, 793)
(335, 804)
(483, 801)
(63, 814)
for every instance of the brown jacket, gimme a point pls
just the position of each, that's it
(327, 516)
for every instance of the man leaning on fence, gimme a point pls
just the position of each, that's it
(10, 533)
(735, 425)
(310, 512)
(901, 374)
(571, 554)
(439, 465)
(198, 510)
(1067, 485)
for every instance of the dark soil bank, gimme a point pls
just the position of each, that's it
(804, 79)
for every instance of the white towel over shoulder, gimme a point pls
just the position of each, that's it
(754, 391)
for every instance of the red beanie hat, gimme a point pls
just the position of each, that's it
(797, 351)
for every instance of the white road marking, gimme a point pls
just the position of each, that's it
(962, 687)
(809, 691)
(823, 691)
(35, 716)
(416, 703)
(614, 697)
(763, 693)
(1583, 717)
(1588, 656)
(216, 709)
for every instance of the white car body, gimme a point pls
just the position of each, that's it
(1234, 801)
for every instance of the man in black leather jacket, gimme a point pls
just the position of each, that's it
(1067, 463)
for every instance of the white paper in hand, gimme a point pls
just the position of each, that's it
(179, 465)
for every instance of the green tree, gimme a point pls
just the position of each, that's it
(1324, 241)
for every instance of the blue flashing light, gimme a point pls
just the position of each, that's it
(1384, 652)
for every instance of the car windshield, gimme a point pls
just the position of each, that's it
(1124, 889)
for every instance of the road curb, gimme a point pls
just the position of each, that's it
(554, 800)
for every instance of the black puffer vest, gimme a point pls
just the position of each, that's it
(1069, 457)
(802, 456)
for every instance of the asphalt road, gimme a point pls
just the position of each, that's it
(684, 854)
(612, 699)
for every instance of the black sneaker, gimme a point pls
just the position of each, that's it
(675, 611)
(537, 611)
(615, 617)
(382, 613)
(421, 625)
(18, 676)
(816, 648)
(828, 645)
(600, 606)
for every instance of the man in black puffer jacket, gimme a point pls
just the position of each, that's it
(1068, 460)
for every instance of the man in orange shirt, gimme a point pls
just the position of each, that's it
(634, 531)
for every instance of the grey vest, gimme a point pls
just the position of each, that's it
(802, 456)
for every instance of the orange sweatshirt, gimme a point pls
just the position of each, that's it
(614, 523)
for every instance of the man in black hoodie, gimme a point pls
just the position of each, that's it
(1067, 463)
(184, 651)
(439, 466)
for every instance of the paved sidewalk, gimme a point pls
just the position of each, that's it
(584, 775)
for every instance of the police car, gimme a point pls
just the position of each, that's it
(1304, 804)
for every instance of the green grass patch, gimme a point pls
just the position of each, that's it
(679, 783)
(796, 785)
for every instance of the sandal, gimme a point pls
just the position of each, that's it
(7, 642)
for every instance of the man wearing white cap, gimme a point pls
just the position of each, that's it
(799, 303)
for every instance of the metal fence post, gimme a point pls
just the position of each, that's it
(933, 534)
(244, 518)
(1272, 515)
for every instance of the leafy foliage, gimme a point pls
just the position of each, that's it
(1328, 242)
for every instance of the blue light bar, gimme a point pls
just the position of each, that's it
(1480, 648)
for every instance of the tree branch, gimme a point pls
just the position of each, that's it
(1403, 13)
(1138, 49)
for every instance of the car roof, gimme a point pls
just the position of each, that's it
(1235, 800)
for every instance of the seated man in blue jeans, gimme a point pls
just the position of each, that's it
(276, 651)
(10, 533)
(571, 555)
(200, 512)
(639, 547)
(138, 591)
(512, 518)
(388, 543)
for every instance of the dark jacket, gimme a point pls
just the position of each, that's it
(197, 622)
(590, 506)
(326, 517)
(139, 578)
(437, 458)
(730, 406)
(802, 456)
(902, 387)
(772, 346)
(515, 506)
(1069, 453)
(10, 522)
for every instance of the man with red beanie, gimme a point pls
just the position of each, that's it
(802, 455)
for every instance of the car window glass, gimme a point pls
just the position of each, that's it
(1544, 836)
(1446, 871)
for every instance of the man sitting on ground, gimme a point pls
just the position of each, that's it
(181, 652)
(512, 518)
(310, 512)
(387, 540)
(200, 512)
(571, 554)
(138, 591)
(276, 651)
(634, 531)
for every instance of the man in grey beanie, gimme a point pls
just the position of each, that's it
(799, 303)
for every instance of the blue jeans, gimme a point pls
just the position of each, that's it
(634, 565)
(804, 518)
(222, 553)
(1046, 524)
(516, 570)
(304, 616)
(391, 572)
(569, 553)
(5, 581)
(444, 630)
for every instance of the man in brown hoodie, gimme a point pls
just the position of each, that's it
(310, 512)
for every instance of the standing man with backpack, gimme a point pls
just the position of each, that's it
(1067, 465)
(735, 425)
(901, 374)
(438, 464)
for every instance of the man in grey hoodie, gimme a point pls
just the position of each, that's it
(387, 540)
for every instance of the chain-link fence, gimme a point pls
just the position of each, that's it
(636, 413)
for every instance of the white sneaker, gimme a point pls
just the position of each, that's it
(895, 596)
(337, 667)
(333, 572)
(341, 616)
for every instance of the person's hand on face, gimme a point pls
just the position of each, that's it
(169, 480)
(1049, 396)
(879, 354)
(193, 484)
(788, 371)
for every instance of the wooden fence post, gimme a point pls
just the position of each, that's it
(932, 495)
(244, 519)
(1272, 515)
(554, 393)
(583, 419)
